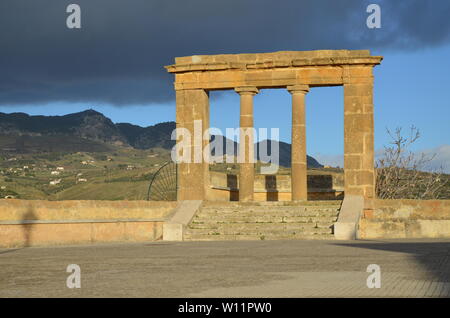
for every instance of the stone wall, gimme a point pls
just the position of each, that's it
(405, 219)
(38, 222)
(224, 187)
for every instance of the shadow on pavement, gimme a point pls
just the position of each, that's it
(28, 227)
(433, 257)
(10, 250)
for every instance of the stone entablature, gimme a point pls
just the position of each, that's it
(269, 70)
(282, 59)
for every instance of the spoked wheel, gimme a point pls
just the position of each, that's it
(163, 186)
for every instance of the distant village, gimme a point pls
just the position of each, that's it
(55, 174)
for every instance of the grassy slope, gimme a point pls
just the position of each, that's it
(106, 179)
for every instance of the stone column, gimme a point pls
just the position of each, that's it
(246, 144)
(359, 175)
(299, 187)
(192, 114)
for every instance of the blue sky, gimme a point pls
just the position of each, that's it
(411, 88)
(117, 68)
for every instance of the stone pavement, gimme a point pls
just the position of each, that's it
(419, 268)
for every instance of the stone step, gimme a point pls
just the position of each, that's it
(272, 203)
(272, 208)
(222, 237)
(260, 227)
(270, 214)
(264, 219)
(263, 229)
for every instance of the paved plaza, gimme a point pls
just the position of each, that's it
(230, 269)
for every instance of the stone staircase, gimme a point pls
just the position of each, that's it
(220, 221)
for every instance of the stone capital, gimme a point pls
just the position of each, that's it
(298, 89)
(247, 90)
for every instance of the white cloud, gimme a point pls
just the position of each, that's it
(441, 159)
(330, 160)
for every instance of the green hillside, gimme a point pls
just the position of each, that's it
(86, 156)
(123, 173)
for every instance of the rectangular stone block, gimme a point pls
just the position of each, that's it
(193, 112)
(354, 144)
(352, 162)
(368, 107)
(369, 144)
(359, 80)
(434, 228)
(364, 178)
(108, 232)
(248, 58)
(358, 104)
(359, 71)
(354, 190)
(350, 176)
(172, 232)
(369, 229)
(345, 231)
(368, 161)
(358, 90)
(188, 77)
(357, 124)
(284, 74)
(260, 75)
(143, 231)
(368, 213)
(269, 83)
(369, 191)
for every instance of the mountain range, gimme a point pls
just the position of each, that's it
(90, 130)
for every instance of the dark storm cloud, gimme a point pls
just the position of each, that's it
(119, 53)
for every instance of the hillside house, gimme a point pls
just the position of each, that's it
(55, 182)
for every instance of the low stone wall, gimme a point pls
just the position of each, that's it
(224, 187)
(39, 222)
(405, 219)
(226, 194)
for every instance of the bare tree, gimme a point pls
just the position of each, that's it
(401, 174)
